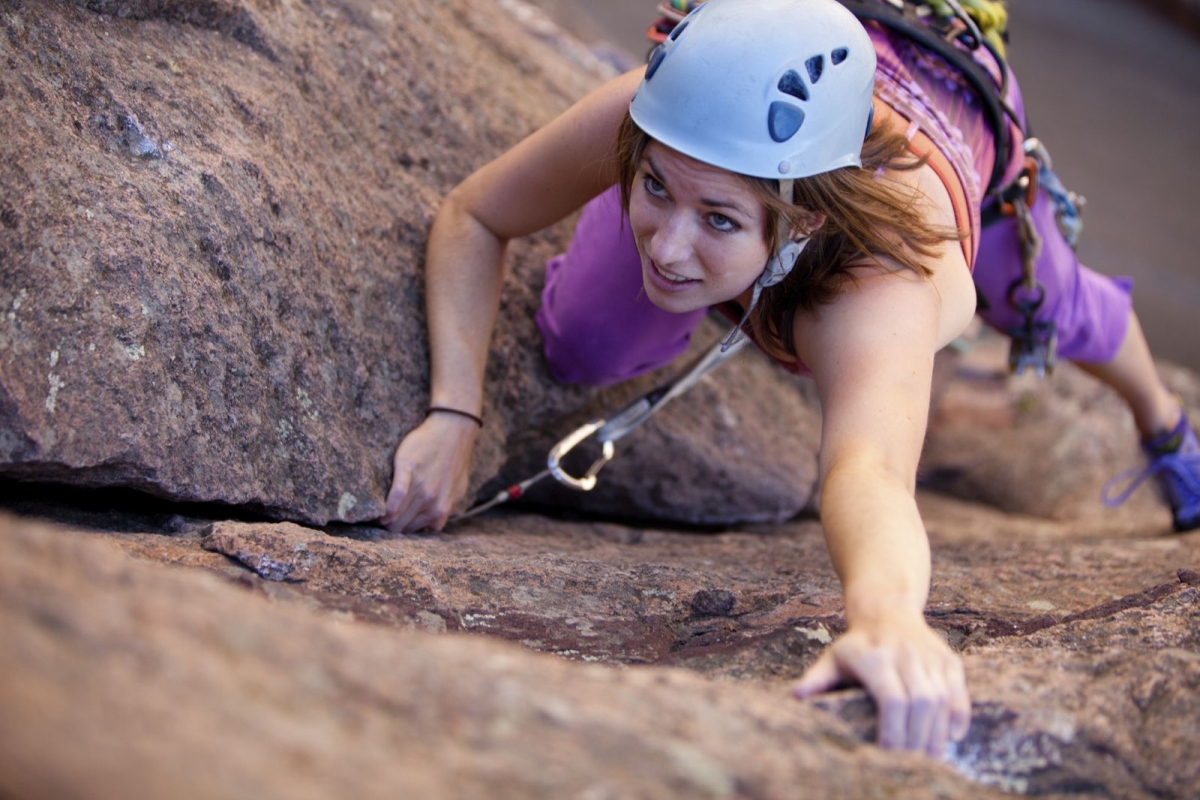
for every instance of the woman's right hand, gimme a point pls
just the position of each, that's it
(916, 680)
(429, 473)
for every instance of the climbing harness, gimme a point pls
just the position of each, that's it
(982, 23)
(610, 430)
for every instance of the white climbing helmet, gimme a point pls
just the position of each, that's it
(768, 88)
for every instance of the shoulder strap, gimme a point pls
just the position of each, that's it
(982, 83)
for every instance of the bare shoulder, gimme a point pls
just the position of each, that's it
(888, 312)
(951, 275)
(931, 194)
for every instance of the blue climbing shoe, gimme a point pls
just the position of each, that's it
(1175, 461)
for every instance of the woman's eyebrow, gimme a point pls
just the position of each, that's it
(729, 204)
(654, 169)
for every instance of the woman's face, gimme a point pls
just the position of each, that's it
(699, 230)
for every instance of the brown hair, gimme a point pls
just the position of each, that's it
(868, 215)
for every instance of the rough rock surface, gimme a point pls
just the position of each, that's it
(358, 656)
(1044, 448)
(1082, 653)
(212, 692)
(210, 234)
(213, 220)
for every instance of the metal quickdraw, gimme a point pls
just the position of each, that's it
(609, 431)
(1068, 205)
(1034, 342)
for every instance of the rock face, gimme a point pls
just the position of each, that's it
(1041, 448)
(376, 663)
(214, 693)
(213, 222)
(211, 228)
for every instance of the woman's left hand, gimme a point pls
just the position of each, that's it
(429, 477)
(916, 680)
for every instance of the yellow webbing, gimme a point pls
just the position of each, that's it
(990, 15)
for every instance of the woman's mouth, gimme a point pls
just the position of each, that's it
(669, 277)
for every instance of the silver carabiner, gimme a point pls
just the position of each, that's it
(588, 481)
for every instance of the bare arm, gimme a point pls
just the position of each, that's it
(540, 181)
(872, 352)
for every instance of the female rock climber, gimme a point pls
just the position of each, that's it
(825, 177)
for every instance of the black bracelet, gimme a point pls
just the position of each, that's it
(447, 410)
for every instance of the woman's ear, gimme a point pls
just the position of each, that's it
(808, 223)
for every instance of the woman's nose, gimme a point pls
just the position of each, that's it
(672, 241)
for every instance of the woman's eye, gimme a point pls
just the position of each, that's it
(722, 223)
(654, 186)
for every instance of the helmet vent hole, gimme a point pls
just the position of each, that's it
(678, 31)
(656, 59)
(791, 83)
(815, 66)
(783, 120)
(839, 55)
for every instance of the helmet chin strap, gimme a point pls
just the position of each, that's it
(778, 267)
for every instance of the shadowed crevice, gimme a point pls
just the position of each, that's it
(230, 17)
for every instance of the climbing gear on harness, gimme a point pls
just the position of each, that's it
(990, 16)
(770, 89)
(1034, 342)
(610, 430)
(1175, 461)
(1068, 205)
